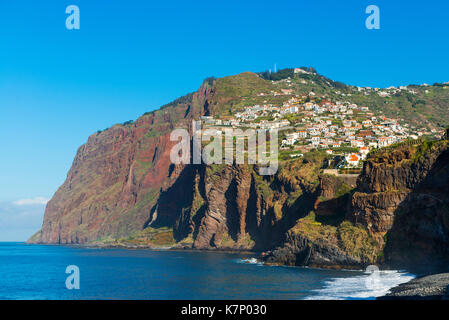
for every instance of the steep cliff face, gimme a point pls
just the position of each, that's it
(324, 237)
(116, 177)
(403, 200)
(398, 214)
(123, 189)
(232, 207)
(297, 215)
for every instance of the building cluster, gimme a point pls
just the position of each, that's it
(387, 92)
(339, 128)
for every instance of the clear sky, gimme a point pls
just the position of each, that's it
(58, 86)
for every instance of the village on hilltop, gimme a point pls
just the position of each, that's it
(307, 122)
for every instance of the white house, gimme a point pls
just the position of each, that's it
(353, 159)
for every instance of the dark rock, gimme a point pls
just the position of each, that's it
(433, 287)
(300, 251)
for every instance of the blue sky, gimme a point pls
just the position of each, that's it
(58, 86)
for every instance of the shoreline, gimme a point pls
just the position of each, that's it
(309, 283)
(149, 247)
(256, 256)
(176, 248)
(426, 287)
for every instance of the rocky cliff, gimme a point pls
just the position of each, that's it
(116, 177)
(396, 216)
(123, 189)
(403, 195)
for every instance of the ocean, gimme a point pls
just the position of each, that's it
(38, 272)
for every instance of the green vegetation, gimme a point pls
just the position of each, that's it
(159, 237)
(226, 241)
(181, 100)
(357, 241)
(152, 133)
(232, 93)
(395, 146)
(127, 123)
(342, 190)
(426, 147)
(354, 240)
(314, 230)
(415, 149)
(279, 75)
(345, 149)
(262, 186)
(150, 236)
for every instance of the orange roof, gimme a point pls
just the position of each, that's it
(353, 157)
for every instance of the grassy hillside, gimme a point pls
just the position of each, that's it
(418, 105)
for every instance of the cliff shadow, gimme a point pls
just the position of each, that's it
(419, 236)
(232, 214)
(173, 205)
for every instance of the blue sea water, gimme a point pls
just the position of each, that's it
(30, 272)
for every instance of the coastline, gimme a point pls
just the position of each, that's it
(178, 248)
(351, 286)
(427, 287)
(150, 247)
(153, 274)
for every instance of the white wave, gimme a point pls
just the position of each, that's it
(250, 261)
(365, 286)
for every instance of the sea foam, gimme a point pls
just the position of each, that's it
(250, 261)
(361, 286)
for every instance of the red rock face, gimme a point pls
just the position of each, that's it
(215, 208)
(227, 194)
(116, 177)
(122, 181)
(107, 179)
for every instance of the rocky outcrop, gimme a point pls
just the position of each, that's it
(403, 199)
(376, 211)
(227, 194)
(301, 251)
(333, 195)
